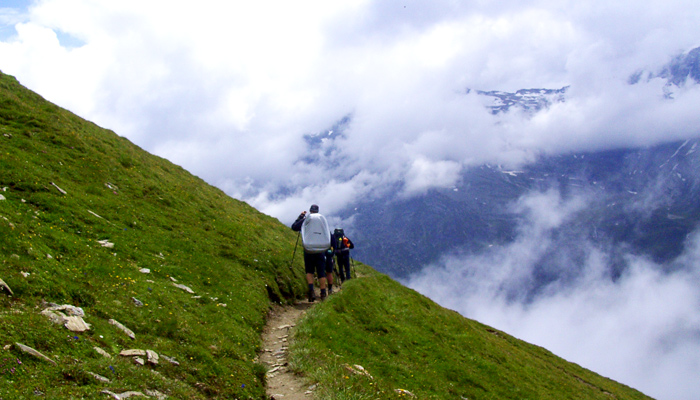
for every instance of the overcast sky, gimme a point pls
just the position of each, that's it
(228, 90)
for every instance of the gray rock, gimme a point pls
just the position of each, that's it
(6, 287)
(183, 287)
(122, 328)
(29, 350)
(123, 395)
(98, 377)
(152, 357)
(73, 321)
(170, 360)
(132, 353)
(102, 352)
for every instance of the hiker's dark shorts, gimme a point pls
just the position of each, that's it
(314, 263)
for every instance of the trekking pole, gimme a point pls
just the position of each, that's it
(336, 276)
(295, 251)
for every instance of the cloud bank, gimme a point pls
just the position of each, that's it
(640, 328)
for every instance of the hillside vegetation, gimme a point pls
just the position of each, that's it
(89, 220)
(158, 217)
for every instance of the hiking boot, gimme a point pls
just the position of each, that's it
(312, 296)
(323, 295)
(330, 291)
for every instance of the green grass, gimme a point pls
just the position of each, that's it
(159, 217)
(406, 341)
(236, 260)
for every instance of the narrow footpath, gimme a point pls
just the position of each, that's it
(282, 383)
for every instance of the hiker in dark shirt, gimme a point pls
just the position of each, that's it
(316, 239)
(342, 246)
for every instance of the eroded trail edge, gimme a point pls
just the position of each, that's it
(282, 383)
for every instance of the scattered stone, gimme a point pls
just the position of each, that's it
(170, 360)
(124, 329)
(152, 357)
(29, 350)
(357, 370)
(145, 271)
(139, 361)
(25, 274)
(102, 352)
(73, 321)
(158, 395)
(14, 256)
(95, 214)
(124, 395)
(2, 197)
(98, 377)
(59, 189)
(4, 286)
(173, 279)
(404, 392)
(137, 302)
(132, 353)
(183, 287)
(106, 243)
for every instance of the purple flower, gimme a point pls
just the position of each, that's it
(19, 361)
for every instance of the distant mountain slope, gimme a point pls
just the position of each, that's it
(528, 100)
(643, 200)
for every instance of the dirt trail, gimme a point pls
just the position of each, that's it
(283, 384)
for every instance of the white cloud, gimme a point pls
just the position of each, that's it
(641, 329)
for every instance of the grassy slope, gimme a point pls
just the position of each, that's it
(162, 218)
(406, 341)
(159, 217)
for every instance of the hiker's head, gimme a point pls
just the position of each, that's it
(313, 209)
